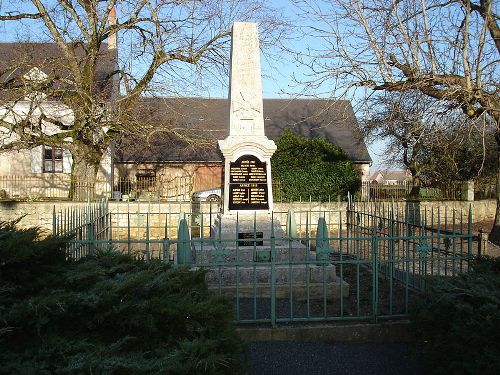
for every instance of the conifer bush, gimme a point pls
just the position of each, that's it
(106, 314)
(458, 321)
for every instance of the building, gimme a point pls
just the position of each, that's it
(391, 177)
(176, 144)
(42, 170)
(190, 151)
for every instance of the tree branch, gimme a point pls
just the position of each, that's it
(485, 10)
(71, 10)
(68, 53)
(20, 16)
(160, 58)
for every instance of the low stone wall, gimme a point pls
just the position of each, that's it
(35, 213)
(483, 210)
(40, 213)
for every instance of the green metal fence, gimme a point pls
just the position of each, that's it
(364, 262)
(87, 227)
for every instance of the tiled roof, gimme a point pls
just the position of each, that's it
(198, 123)
(16, 59)
(392, 175)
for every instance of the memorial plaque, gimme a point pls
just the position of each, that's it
(250, 236)
(248, 184)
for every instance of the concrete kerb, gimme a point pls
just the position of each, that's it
(385, 332)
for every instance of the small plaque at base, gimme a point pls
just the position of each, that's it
(252, 236)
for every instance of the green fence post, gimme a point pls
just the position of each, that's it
(166, 247)
(90, 238)
(54, 221)
(392, 261)
(184, 255)
(147, 252)
(291, 224)
(110, 228)
(374, 274)
(129, 244)
(273, 281)
(469, 236)
(323, 249)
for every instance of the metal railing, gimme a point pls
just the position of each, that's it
(153, 188)
(58, 186)
(400, 191)
(160, 188)
(366, 262)
(35, 187)
(83, 226)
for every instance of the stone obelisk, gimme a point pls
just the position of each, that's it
(247, 151)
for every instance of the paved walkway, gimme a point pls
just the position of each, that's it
(292, 358)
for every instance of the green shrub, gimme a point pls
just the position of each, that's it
(458, 320)
(106, 314)
(312, 168)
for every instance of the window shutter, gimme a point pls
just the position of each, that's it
(37, 159)
(67, 161)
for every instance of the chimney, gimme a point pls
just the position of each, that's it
(112, 22)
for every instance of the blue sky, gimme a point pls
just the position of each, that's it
(278, 70)
(278, 78)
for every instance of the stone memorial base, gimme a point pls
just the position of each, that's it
(215, 253)
(230, 226)
(301, 281)
(241, 265)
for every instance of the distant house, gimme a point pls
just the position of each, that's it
(176, 138)
(391, 177)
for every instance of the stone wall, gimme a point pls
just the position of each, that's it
(483, 210)
(40, 213)
(35, 213)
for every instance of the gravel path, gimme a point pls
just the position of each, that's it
(292, 358)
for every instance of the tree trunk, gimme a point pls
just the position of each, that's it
(415, 186)
(83, 178)
(411, 164)
(495, 231)
(413, 201)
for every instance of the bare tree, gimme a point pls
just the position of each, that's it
(403, 122)
(156, 38)
(460, 149)
(447, 50)
(436, 145)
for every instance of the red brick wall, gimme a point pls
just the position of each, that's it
(207, 177)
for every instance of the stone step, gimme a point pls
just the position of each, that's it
(224, 252)
(261, 274)
(299, 291)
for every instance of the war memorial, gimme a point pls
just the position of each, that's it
(250, 253)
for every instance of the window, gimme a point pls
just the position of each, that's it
(52, 159)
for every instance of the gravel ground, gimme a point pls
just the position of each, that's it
(293, 358)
